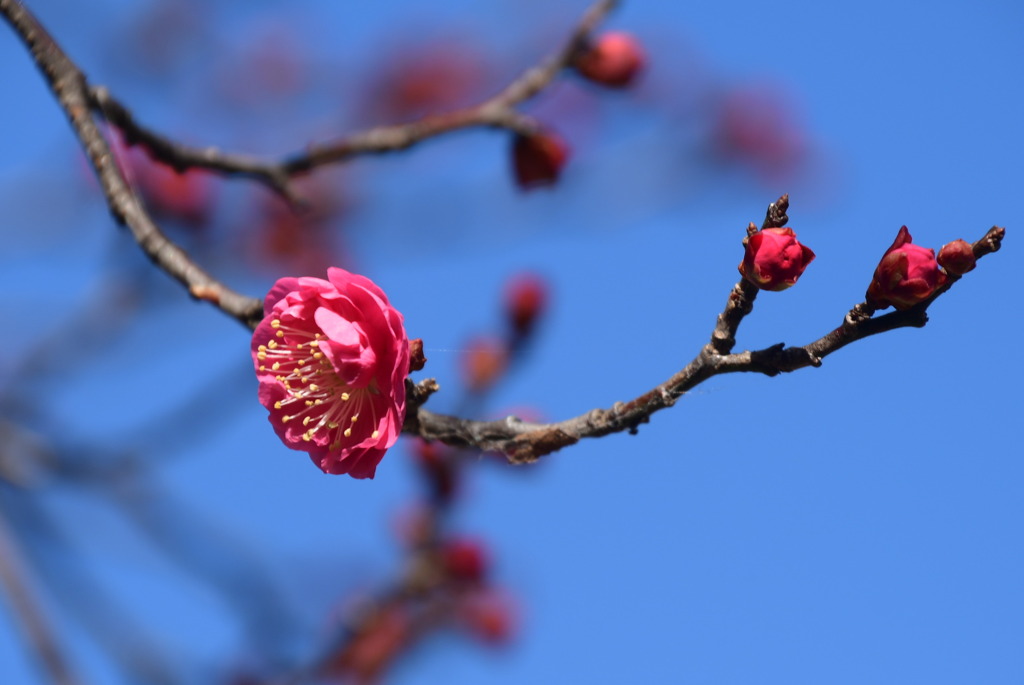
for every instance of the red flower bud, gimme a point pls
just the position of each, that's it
(490, 616)
(538, 159)
(436, 462)
(907, 275)
(465, 560)
(483, 363)
(957, 257)
(613, 60)
(774, 259)
(526, 297)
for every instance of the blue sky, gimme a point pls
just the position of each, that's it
(856, 523)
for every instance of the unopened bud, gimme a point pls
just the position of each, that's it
(957, 257)
(526, 297)
(774, 259)
(538, 159)
(613, 60)
(908, 274)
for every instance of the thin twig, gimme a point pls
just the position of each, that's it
(522, 441)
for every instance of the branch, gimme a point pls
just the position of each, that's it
(498, 111)
(33, 623)
(523, 442)
(71, 89)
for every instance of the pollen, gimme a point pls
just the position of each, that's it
(316, 395)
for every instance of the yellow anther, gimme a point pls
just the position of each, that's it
(280, 334)
(262, 348)
(276, 323)
(318, 355)
(286, 419)
(276, 366)
(375, 434)
(307, 436)
(262, 368)
(354, 417)
(272, 345)
(305, 421)
(347, 433)
(261, 355)
(309, 403)
(344, 397)
(277, 405)
(332, 425)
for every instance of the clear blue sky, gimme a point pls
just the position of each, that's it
(858, 523)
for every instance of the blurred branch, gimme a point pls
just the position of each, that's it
(25, 609)
(523, 442)
(59, 564)
(497, 112)
(72, 91)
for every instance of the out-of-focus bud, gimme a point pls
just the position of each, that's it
(182, 196)
(538, 159)
(483, 362)
(435, 460)
(908, 274)
(957, 257)
(760, 128)
(465, 560)
(774, 259)
(613, 60)
(490, 616)
(526, 298)
(375, 646)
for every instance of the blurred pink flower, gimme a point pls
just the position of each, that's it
(331, 358)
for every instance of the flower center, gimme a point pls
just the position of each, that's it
(316, 394)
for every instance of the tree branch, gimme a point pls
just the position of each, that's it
(498, 111)
(71, 89)
(33, 623)
(523, 442)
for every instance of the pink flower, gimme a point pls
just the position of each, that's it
(613, 60)
(774, 259)
(331, 358)
(907, 275)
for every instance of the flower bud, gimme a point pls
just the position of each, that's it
(957, 257)
(526, 297)
(908, 274)
(417, 360)
(613, 60)
(490, 616)
(538, 159)
(483, 363)
(774, 259)
(465, 560)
